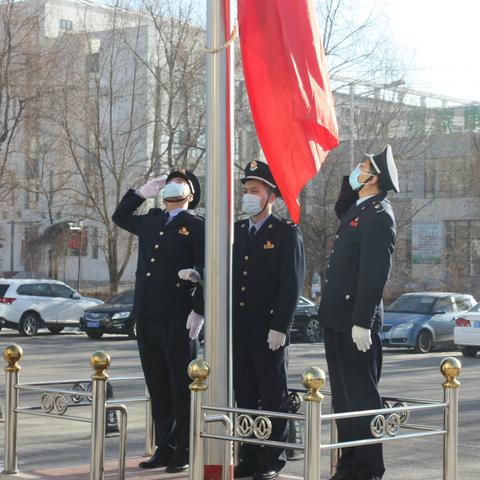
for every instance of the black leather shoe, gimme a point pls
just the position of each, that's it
(343, 475)
(178, 464)
(176, 468)
(266, 474)
(161, 458)
(243, 470)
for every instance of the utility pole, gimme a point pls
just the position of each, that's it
(78, 228)
(12, 245)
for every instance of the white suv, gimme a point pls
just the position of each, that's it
(27, 305)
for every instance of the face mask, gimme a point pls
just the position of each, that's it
(251, 204)
(353, 178)
(174, 189)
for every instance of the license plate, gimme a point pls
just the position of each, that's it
(93, 324)
(476, 324)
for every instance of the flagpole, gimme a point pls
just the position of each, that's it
(219, 220)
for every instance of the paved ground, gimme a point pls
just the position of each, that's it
(46, 445)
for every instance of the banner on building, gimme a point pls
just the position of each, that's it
(427, 243)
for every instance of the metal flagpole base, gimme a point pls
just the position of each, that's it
(18, 476)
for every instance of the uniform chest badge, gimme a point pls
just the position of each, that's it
(268, 245)
(184, 231)
(354, 223)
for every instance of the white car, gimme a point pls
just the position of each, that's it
(27, 305)
(466, 334)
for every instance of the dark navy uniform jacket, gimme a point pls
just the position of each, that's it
(163, 250)
(359, 266)
(267, 279)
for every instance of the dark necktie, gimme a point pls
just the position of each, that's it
(251, 234)
(167, 218)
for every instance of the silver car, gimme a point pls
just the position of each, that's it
(423, 320)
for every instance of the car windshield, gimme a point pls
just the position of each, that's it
(412, 304)
(303, 302)
(476, 308)
(124, 297)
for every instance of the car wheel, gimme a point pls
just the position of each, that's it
(313, 331)
(132, 330)
(95, 335)
(29, 324)
(469, 351)
(55, 330)
(424, 342)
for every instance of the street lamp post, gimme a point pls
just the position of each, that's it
(79, 228)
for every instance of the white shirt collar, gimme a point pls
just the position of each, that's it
(361, 200)
(257, 225)
(173, 213)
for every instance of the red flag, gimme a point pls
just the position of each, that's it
(289, 90)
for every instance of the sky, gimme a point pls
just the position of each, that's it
(442, 37)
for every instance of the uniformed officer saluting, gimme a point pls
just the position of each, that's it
(169, 240)
(268, 273)
(351, 310)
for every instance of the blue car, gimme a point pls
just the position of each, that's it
(424, 320)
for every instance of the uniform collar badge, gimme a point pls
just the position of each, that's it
(270, 225)
(354, 222)
(184, 231)
(253, 165)
(268, 245)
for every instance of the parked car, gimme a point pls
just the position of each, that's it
(114, 316)
(28, 305)
(466, 334)
(306, 322)
(424, 320)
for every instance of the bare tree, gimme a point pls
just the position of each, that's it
(15, 44)
(177, 69)
(100, 122)
(47, 188)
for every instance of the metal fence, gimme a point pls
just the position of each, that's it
(239, 425)
(55, 401)
(387, 424)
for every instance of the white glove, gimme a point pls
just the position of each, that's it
(152, 187)
(194, 324)
(190, 274)
(276, 339)
(362, 338)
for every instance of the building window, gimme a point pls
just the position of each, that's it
(32, 164)
(93, 62)
(31, 197)
(65, 25)
(449, 177)
(95, 245)
(463, 247)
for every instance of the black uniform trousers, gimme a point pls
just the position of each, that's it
(260, 382)
(354, 377)
(165, 352)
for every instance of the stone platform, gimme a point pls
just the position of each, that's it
(81, 472)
